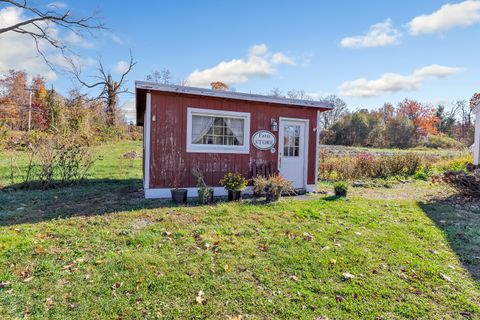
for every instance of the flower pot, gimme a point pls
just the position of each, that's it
(234, 195)
(179, 196)
(273, 196)
(341, 193)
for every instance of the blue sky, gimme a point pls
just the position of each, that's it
(367, 52)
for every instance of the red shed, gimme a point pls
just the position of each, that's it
(222, 131)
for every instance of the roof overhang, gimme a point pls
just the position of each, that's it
(142, 87)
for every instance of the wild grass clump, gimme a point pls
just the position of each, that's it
(367, 165)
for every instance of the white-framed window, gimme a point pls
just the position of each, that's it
(218, 131)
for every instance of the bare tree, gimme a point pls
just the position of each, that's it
(163, 76)
(276, 92)
(37, 26)
(111, 89)
(298, 94)
(328, 118)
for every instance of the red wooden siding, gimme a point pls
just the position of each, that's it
(169, 160)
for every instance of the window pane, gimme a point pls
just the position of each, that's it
(217, 130)
(291, 141)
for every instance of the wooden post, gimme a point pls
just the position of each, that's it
(476, 143)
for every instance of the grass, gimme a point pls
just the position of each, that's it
(99, 250)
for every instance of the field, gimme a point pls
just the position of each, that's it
(99, 250)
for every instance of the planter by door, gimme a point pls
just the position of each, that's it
(179, 196)
(292, 151)
(234, 195)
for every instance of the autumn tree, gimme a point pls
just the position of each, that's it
(218, 85)
(423, 117)
(340, 108)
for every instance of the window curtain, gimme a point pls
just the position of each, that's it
(200, 127)
(236, 126)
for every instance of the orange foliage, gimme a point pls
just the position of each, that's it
(218, 85)
(475, 100)
(423, 117)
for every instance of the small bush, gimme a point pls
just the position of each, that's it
(259, 185)
(276, 185)
(341, 189)
(366, 165)
(233, 181)
(205, 193)
(442, 142)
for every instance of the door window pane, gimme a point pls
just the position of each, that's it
(291, 141)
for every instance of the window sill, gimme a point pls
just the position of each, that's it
(216, 149)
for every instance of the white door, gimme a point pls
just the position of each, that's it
(292, 151)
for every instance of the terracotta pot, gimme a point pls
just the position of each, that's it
(179, 196)
(234, 195)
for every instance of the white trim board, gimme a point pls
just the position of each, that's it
(192, 192)
(307, 134)
(147, 132)
(212, 148)
(163, 193)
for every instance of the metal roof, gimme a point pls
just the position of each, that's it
(230, 95)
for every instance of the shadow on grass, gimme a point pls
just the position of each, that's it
(91, 197)
(332, 198)
(461, 226)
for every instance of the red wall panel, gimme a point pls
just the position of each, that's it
(169, 160)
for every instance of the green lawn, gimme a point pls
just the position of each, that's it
(99, 250)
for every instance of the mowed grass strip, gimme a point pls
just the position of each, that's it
(298, 259)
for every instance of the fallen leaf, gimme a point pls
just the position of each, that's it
(358, 233)
(49, 301)
(39, 249)
(227, 268)
(239, 317)
(307, 236)
(263, 247)
(28, 279)
(117, 285)
(325, 248)
(333, 261)
(4, 284)
(347, 276)
(339, 298)
(322, 318)
(294, 278)
(200, 299)
(445, 277)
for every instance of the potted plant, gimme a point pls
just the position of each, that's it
(259, 185)
(205, 193)
(235, 183)
(341, 189)
(276, 185)
(179, 195)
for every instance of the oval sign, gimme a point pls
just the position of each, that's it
(264, 140)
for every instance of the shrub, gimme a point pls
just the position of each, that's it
(441, 141)
(366, 165)
(276, 185)
(233, 181)
(56, 160)
(259, 184)
(205, 193)
(341, 189)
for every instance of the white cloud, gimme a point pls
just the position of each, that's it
(392, 82)
(447, 17)
(129, 110)
(258, 63)
(18, 51)
(379, 35)
(122, 66)
(76, 40)
(57, 5)
(280, 58)
(258, 50)
(117, 39)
